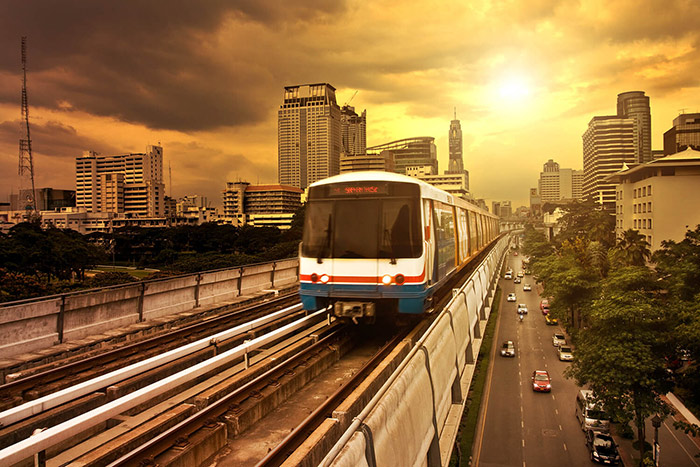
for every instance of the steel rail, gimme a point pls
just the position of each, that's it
(42, 404)
(63, 431)
(23, 384)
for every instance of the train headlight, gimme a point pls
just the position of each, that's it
(325, 278)
(386, 279)
(314, 277)
(399, 279)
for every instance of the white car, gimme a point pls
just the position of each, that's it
(509, 275)
(522, 308)
(511, 297)
(558, 339)
(565, 354)
(527, 288)
(521, 273)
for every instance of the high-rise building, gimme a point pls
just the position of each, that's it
(353, 130)
(608, 144)
(308, 135)
(261, 205)
(684, 134)
(129, 184)
(535, 203)
(456, 163)
(635, 105)
(557, 184)
(419, 152)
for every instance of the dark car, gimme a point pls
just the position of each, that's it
(602, 448)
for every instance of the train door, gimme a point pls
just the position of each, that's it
(429, 242)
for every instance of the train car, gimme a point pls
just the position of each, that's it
(383, 243)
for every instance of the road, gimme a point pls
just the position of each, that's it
(520, 427)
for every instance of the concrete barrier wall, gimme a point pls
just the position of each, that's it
(403, 423)
(30, 325)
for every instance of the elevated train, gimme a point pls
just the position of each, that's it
(383, 243)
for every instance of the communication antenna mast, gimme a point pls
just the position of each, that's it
(170, 176)
(26, 164)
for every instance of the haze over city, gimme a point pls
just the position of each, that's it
(205, 80)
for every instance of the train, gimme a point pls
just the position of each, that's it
(381, 243)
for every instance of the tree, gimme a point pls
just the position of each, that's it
(621, 354)
(678, 264)
(587, 220)
(632, 249)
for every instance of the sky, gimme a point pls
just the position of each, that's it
(205, 80)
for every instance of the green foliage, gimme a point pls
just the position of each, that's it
(632, 249)
(586, 220)
(105, 279)
(18, 286)
(679, 264)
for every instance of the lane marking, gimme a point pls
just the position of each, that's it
(523, 442)
(556, 411)
(565, 449)
(522, 424)
(560, 428)
(692, 459)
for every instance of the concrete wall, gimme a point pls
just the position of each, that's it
(406, 423)
(30, 325)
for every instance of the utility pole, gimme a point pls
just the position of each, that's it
(26, 163)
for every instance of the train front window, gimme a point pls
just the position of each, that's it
(362, 228)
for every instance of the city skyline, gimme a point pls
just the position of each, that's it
(205, 81)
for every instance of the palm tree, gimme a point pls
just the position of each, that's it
(632, 249)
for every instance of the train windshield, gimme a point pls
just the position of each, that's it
(356, 226)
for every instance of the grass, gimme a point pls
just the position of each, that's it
(137, 273)
(467, 426)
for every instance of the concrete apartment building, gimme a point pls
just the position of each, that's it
(261, 205)
(418, 152)
(557, 184)
(308, 135)
(130, 185)
(660, 199)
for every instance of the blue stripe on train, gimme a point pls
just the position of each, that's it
(411, 298)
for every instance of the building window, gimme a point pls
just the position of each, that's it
(644, 207)
(650, 228)
(649, 207)
(644, 223)
(644, 191)
(649, 190)
(635, 209)
(635, 223)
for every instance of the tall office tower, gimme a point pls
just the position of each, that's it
(353, 130)
(556, 184)
(608, 144)
(130, 183)
(418, 155)
(308, 135)
(684, 134)
(635, 105)
(456, 163)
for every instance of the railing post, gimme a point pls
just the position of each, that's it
(60, 318)
(142, 292)
(272, 275)
(196, 290)
(240, 280)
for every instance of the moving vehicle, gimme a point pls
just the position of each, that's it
(517, 280)
(550, 320)
(558, 339)
(522, 308)
(383, 243)
(541, 381)
(602, 448)
(508, 275)
(508, 349)
(565, 353)
(521, 274)
(590, 414)
(511, 297)
(527, 288)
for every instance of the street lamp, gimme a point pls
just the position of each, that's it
(656, 423)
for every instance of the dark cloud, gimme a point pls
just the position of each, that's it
(156, 63)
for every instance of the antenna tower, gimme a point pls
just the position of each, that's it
(26, 164)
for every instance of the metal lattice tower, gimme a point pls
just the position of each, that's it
(26, 164)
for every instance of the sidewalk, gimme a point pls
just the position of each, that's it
(625, 445)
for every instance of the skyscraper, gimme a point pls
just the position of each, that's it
(353, 130)
(308, 135)
(456, 164)
(684, 134)
(557, 184)
(608, 144)
(419, 153)
(635, 105)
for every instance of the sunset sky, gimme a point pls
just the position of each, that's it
(206, 78)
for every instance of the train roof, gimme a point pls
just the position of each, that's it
(374, 175)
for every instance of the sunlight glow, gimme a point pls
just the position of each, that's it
(514, 88)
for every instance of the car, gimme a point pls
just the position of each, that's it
(527, 272)
(544, 303)
(541, 381)
(565, 354)
(517, 280)
(521, 274)
(545, 310)
(508, 275)
(558, 339)
(527, 288)
(551, 320)
(602, 448)
(522, 308)
(511, 297)
(508, 349)
(515, 253)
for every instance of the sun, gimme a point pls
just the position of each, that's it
(514, 88)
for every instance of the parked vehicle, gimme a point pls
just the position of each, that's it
(565, 354)
(541, 381)
(590, 414)
(558, 339)
(602, 448)
(550, 320)
(508, 349)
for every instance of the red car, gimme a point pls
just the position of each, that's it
(541, 381)
(544, 306)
